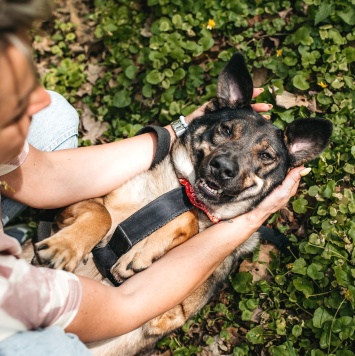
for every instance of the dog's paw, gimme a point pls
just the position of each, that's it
(132, 262)
(58, 253)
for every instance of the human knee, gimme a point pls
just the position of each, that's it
(56, 126)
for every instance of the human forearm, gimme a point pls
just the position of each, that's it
(59, 178)
(54, 179)
(159, 288)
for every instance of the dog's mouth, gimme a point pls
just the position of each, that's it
(210, 189)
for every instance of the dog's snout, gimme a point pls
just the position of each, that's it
(223, 168)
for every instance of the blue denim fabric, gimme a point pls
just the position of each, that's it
(52, 341)
(53, 128)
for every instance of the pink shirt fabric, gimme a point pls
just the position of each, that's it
(32, 297)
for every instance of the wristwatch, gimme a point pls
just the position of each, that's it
(179, 126)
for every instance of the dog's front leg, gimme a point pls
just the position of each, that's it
(144, 253)
(82, 226)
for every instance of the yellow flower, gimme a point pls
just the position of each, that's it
(322, 84)
(278, 52)
(211, 24)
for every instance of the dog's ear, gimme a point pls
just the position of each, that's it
(305, 139)
(234, 86)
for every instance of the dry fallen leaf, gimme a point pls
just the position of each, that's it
(93, 129)
(259, 269)
(44, 45)
(288, 100)
(93, 72)
(259, 77)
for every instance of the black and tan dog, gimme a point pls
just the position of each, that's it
(231, 158)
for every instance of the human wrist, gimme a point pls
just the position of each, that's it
(256, 217)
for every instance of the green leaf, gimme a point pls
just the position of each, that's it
(325, 9)
(256, 335)
(349, 168)
(345, 326)
(349, 54)
(300, 205)
(303, 36)
(147, 91)
(206, 43)
(174, 108)
(242, 281)
(300, 82)
(251, 304)
(246, 315)
(189, 45)
(314, 271)
(165, 25)
(304, 285)
(348, 16)
(342, 277)
(329, 190)
(297, 330)
(131, 72)
(121, 99)
(321, 315)
(313, 190)
(179, 74)
(154, 77)
(282, 350)
(299, 266)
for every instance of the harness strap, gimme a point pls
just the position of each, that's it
(138, 226)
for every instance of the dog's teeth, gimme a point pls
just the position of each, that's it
(211, 190)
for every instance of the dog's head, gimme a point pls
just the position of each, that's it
(232, 156)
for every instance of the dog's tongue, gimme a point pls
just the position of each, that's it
(193, 199)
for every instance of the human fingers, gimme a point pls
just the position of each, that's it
(280, 196)
(198, 112)
(257, 91)
(290, 184)
(261, 107)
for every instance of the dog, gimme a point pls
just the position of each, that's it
(231, 157)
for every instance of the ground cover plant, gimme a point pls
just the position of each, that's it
(124, 64)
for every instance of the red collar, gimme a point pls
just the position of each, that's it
(193, 199)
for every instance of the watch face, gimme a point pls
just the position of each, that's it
(178, 127)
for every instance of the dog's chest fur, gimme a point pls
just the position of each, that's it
(140, 191)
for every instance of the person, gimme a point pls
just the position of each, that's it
(45, 311)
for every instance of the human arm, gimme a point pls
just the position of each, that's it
(173, 277)
(59, 178)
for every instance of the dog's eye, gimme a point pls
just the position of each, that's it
(266, 157)
(225, 130)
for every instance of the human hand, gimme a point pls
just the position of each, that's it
(258, 107)
(261, 107)
(280, 196)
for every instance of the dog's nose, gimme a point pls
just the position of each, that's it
(223, 168)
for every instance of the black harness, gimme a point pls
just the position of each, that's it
(138, 226)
